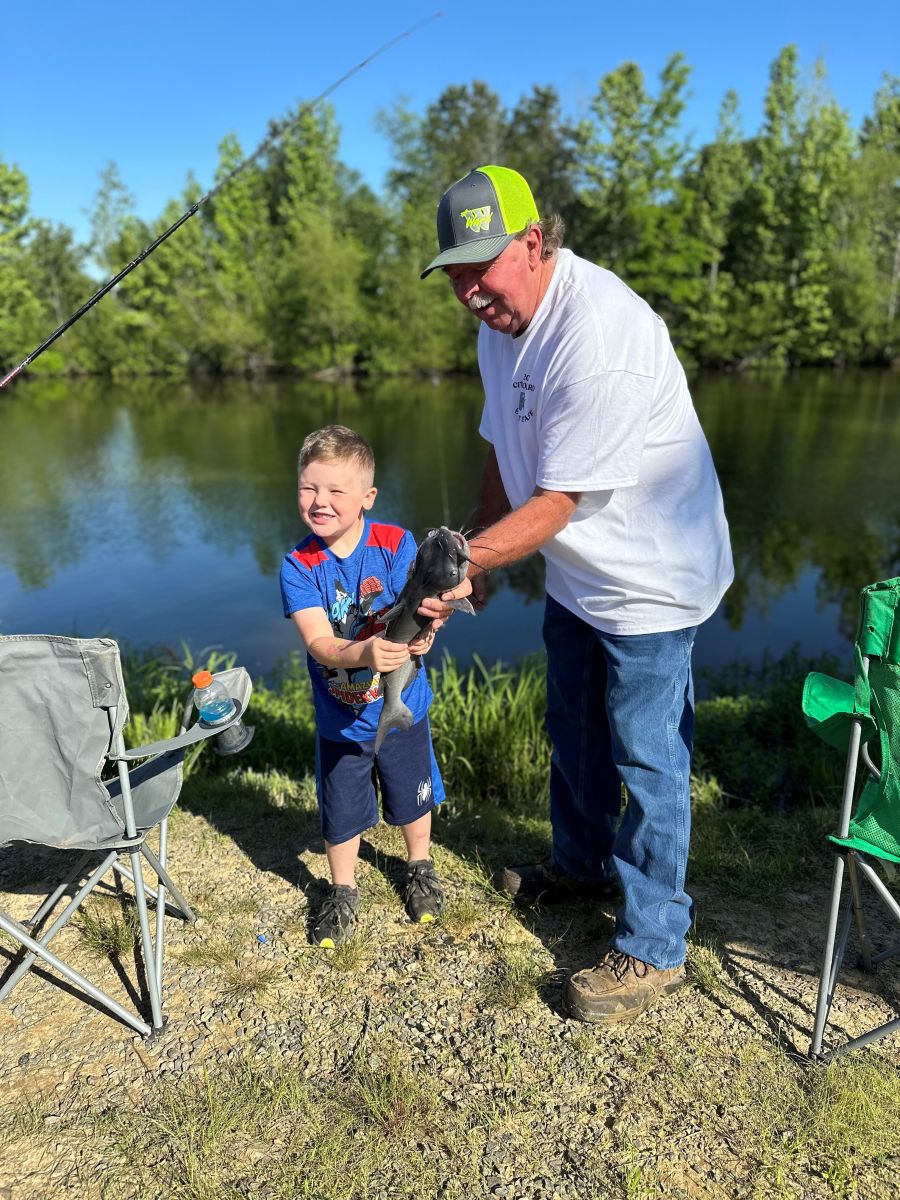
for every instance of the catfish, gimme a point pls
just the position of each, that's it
(441, 563)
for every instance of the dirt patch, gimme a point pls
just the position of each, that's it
(704, 1096)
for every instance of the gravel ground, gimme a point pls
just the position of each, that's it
(664, 1106)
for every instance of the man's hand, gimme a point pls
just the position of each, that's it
(382, 655)
(511, 539)
(440, 613)
(423, 643)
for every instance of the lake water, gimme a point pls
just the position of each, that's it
(158, 513)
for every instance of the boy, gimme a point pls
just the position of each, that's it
(335, 584)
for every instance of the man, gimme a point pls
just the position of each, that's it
(597, 460)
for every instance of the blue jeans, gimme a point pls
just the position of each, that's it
(620, 710)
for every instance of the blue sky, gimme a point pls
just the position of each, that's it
(155, 87)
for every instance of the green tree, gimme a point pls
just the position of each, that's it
(880, 197)
(420, 325)
(111, 214)
(547, 150)
(54, 266)
(787, 222)
(718, 177)
(639, 209)
(242, 251)
(465, 127)
(117, 332)
(320, 313)
(21, 311)
(820, 179)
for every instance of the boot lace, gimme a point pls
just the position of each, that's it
(620, 964)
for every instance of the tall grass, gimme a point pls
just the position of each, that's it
(488, 726)
(752, 747)
(752, 738)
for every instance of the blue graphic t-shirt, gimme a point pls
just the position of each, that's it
(354, 592)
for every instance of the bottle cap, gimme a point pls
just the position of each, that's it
(202, 679)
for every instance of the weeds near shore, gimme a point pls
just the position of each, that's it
(241, 981)
(334, 1135)
(211, 952)
(705, 967)
(514, 978)
(488, 725)
(382, 1092)
(107, 928)
(461, 916)
(351, 955)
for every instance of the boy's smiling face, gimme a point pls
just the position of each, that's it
(332, 496)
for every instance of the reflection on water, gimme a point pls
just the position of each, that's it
(159, 512)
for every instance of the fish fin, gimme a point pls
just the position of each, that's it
(462, 605)
(401, 719)
(384, 617)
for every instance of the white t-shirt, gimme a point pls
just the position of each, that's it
(591, 398)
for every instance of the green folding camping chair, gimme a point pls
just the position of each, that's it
(853, 718)
(68, 782)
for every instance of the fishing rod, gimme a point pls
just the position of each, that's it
(266, 144)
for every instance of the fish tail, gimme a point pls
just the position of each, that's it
(398, 718)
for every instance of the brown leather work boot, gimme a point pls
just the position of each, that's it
(618, 988)
(541, 881)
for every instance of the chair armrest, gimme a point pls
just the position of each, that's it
(829, 707)
(240, 688)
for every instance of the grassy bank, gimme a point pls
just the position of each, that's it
(764, 789)
(438, 1062)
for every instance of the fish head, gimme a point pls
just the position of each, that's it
(442, 560)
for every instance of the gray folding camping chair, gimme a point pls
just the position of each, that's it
(62, 711)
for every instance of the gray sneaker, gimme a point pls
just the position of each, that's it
(337, 916)
(423, 897)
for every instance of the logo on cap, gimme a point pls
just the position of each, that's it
(478, 219)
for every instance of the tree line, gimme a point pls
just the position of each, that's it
(780, 248)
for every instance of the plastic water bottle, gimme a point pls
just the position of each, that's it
(211, 699)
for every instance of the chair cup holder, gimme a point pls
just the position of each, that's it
(234, 739)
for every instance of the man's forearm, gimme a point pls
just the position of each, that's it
(522, 531)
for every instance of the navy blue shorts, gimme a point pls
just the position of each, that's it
(407, 777)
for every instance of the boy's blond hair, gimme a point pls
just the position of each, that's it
(337, 443)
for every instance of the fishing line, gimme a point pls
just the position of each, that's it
(265, 145)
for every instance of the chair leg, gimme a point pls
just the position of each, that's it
(828, 974)
(65, 916)
(178, 906)
(186, 910)
(151, 892)
(18, 932)
(866, 949)
(55, 896)
(872, 875)
(161, 900)
(866, 1039)
(856, 867)
(140, 896)
(860, 866)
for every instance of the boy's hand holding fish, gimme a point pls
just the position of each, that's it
(383, 655)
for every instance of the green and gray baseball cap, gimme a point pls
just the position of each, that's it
(480, 214)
